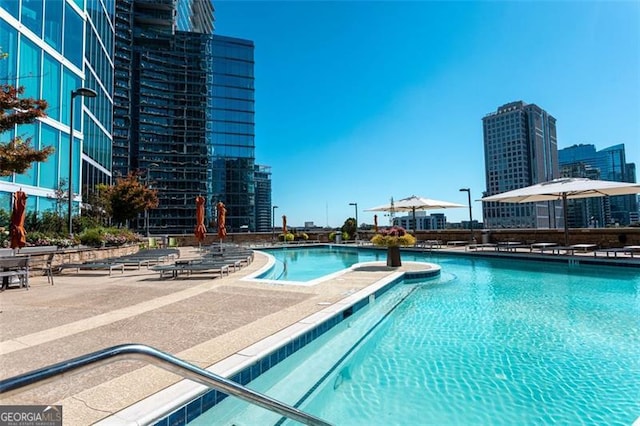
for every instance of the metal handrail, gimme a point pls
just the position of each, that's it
(160, 359)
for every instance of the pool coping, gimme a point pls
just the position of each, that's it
(185, 400)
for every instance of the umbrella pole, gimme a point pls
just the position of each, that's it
(565, 215)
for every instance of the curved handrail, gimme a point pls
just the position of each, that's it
(160, 359)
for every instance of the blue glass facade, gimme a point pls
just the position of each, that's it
(610, 164)
(233, 145)
(55, 47)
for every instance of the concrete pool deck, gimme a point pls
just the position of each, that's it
(200, 319)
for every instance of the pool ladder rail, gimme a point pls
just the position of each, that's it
(160, 359)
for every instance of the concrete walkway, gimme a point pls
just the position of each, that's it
(201, 319)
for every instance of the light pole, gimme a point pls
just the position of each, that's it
(356, 208)
(273, 222)
(89, 93)
(468, 191)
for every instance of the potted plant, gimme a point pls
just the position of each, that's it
(393, 238)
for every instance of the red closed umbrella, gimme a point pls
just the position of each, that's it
(18, 234)
(222, 218)
(201, 231)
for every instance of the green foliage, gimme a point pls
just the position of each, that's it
(92, 237)
(97, 237)
(4, 237)
(349, 229)
(332, 236)
(5, 218)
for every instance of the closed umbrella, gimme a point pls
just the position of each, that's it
(284, 226)
(18, 234)
(375, 223)
(222, 219)
(200, 231)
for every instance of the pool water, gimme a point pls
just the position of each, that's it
(491, 341)
(310, 263)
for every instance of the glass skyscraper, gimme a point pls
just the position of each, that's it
(55, 47)
(520, 149)
(584, 160)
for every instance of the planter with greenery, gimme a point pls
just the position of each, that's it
(393, 238)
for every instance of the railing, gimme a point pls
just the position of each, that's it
(160, 359)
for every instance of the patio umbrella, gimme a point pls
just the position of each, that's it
(564, 189)
(201, 231)
(413, 203)
(375, 223)
(18, 234)
(222, 219)
(284, 225)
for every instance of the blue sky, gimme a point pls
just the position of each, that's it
(364, 101)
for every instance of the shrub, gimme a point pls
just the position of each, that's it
(394, 236)
(332, 236)
(92, 237)
(288, 237)
(301, 236)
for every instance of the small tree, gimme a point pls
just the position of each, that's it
(127, 198)
(17, 155)
(349, 227)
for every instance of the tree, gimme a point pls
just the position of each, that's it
(127, 198)
(349, 227)
(17, 155)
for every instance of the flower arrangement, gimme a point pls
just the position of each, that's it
(395, 236)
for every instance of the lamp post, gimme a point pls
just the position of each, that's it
(356, 208)
(468, 191)
(89, 93)
(273, 223)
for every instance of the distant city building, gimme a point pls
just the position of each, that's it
(423, 221)
(610, 164)
(263, 198)
(520, 149)
(54, 48)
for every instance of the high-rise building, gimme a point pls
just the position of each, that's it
(520, 149)
(184, 112)
(232, 149)
(263, 198)
(55, 47)
(584, 160)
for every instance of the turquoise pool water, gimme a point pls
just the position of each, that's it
(491, 341)
(307, 264)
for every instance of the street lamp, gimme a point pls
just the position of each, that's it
(273, 222)
(89, 93)
(356, 208)
(468, 191)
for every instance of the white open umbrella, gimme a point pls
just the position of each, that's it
(563, 189)
(413, 203)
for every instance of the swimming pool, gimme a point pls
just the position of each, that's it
(491, 341)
